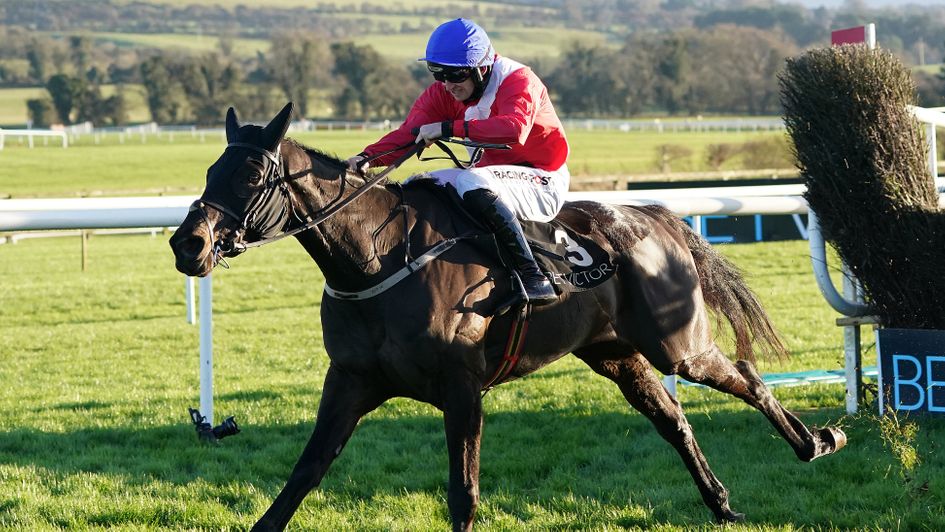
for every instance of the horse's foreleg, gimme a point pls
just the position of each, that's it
(644, 391)
(462, 415)
(715, 370)
(345, 399)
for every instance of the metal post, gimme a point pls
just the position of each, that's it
(206, 348)
(697, 225)
(669, 381)
(852, 357)
(191, 308)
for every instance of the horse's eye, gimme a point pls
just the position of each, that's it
(254, 173)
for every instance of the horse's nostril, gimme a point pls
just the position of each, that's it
(190, 247)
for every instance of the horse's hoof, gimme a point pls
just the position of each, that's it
(264, 526)
(729, 517)
(827, 440)
(836, 437)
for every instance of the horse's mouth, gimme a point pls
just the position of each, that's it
(192, 254)
(194, 267)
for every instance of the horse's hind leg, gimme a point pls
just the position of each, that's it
(644, 391)
(715, 370)
(345, 399)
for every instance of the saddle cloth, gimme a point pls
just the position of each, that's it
(570, 260)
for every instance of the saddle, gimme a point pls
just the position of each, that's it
(571, 261)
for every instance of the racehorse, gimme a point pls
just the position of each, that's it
(434, 336)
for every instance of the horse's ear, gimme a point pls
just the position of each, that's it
(232, 125)
(276, 129)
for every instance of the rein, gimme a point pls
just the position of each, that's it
(331, 209)
(278, 181)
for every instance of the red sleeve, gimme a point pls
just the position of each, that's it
(513, 112)
(431, 106)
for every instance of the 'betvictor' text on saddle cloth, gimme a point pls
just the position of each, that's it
(571, 261)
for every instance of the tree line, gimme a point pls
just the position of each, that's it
(722, 68)
(907, 29)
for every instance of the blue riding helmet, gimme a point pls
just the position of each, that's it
(460, 43)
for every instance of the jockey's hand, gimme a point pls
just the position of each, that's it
(429, 133)
(357, 164)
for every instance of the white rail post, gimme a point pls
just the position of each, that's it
(669, 381)
(206, 348)
(191, 308)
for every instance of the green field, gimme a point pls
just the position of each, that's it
(153, 164)
(398, 32)
(523, 44)
(405, 5)
(180, 42)
(100, 366)
(13, 109)
(399, 36)
(13, 104)
(929, 69)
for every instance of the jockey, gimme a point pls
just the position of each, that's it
(485, 97)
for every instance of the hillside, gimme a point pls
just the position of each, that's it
(356, 59)
(398, 28)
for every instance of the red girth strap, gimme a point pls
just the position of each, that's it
(513, 347)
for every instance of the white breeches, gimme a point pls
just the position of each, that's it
(531, 193)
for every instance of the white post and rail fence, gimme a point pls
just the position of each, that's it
(30, 134)
(169, 211)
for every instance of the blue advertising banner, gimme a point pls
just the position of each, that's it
(911, 370)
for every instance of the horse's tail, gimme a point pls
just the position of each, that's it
(727, 294)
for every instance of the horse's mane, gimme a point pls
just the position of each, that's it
(328, 159)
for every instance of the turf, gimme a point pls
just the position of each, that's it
(100, 366)
(98, 369)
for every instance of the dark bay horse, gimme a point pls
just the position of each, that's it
(433, 337)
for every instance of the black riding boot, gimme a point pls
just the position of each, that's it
(485, 205)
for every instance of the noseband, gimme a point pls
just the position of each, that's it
(267, 213)
(269, 217)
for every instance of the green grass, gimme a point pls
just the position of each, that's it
(506, 32)
(410, 5)
(13, 111)
(177, 42)
(522, 44)
(136, 100)
(929, 69)
(13, 104)
(619, 153)
(385, 32)
(178, 163)
(99, 368)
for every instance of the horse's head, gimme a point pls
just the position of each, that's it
(243, 200)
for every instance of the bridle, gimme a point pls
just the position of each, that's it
(269, 217)
(268, 212)
(276, 213)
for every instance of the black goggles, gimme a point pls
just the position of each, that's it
(448, 73)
